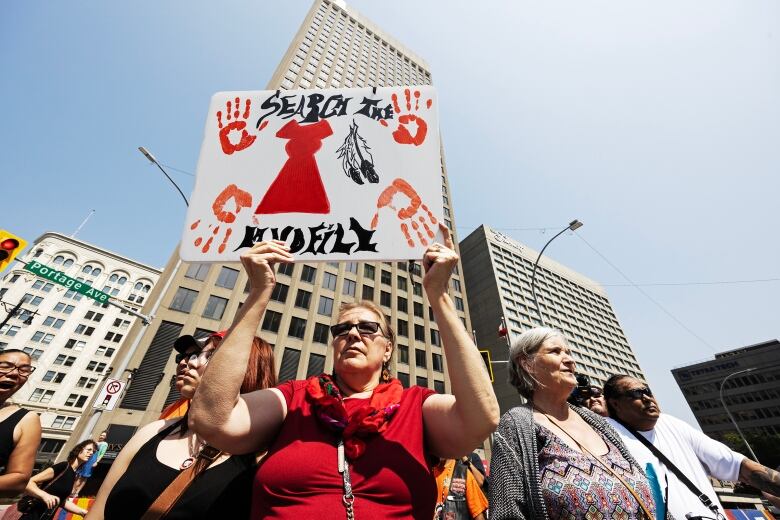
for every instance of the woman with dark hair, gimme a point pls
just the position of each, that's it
(552, 460)
(353, 443)
(53, 485)
(161, 452)
(20, 430)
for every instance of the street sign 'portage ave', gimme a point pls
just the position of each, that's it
(109, 395)
(71, 283)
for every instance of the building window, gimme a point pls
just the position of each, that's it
(227, 278)
(329, 281)
(403, 328)
(403, 354)
(386, 277)
(271, 321)
(435, 337)
(438, 386)
(215, 307)
(40, 395)
(418, 309)
(285, 269)
(402, 307)
(297, 327)
(385, 298)
(351, 267)
(86, 382)
(83, 329)
(197, 271)
(419, 332)
(113, 336)
(65, 423)
(52, 376)
(401, 283)
(416, 288)
(349, 288)
(302, 299)
(403, 378)
(280, 292)
(459, 303)
(419, 358)
(437, 363)
(76, 345)
(422, 381)
(326, 306)
(308, 273)
(321, 333)
(368, 293)
(183, 299)
(94, 316)
(369, 271)
(316, 365)
(76, 400)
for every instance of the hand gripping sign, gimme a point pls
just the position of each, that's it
(338, 174)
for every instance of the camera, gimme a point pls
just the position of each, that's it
(583, 391)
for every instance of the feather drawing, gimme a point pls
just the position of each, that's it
(356, 158)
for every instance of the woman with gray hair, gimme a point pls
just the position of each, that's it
(552, 460)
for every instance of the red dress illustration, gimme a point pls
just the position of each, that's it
(298, 188)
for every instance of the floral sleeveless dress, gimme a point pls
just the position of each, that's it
(575, 487)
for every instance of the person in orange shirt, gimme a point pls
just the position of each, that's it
(460, 496)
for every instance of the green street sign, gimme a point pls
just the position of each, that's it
(55, 276)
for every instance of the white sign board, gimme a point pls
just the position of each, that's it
(338, 174)
(109, 395)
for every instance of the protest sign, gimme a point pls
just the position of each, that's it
(338, 174)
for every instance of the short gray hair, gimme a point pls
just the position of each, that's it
(524, 348)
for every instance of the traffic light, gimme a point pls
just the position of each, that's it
(486, 358)
(10, 246)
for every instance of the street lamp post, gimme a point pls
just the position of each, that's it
(574, 224)
(121, 368)
(731, 417)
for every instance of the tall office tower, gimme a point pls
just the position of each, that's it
(335, 47)
(71, 338)
(497, 272)
(750, 380)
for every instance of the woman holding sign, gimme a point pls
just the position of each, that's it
(354, 444)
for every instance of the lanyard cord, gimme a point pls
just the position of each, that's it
(343, 466)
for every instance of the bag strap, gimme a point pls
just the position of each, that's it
(703, 498)
(604, 465)
(171, 494)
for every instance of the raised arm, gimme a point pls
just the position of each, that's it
(228, 421)
(20, 463)
(455, 424)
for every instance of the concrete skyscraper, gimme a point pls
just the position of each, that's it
(497, 271)
(334, 47)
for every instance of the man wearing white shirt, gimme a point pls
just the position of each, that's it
(631, 405)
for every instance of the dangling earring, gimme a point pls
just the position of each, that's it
(386, 377)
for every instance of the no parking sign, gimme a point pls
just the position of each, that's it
(109, 395)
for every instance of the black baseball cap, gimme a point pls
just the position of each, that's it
(185, 343)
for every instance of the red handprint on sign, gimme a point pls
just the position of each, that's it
(241, 198)
(408, 215)
(401, 134)
(238, 123)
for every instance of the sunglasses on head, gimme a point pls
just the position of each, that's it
(364, 328)
(637, 393)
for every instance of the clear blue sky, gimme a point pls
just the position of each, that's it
(655, 123)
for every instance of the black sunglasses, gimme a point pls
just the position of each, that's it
(192, 355)
(637, 393)
(364, 328)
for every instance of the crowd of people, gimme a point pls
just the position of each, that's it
(356, 444)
